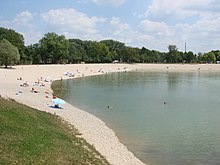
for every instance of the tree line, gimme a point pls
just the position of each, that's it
(56, 49)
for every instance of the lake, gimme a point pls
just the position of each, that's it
(164, 118)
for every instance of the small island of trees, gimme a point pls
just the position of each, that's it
(56, 49)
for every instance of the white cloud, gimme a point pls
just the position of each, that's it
(115, 21)
(158, 28)
(21, 21)
(23, 17)
(32, 36)
(23, 24)
(177, 22)
(123, 32)
(201, 34)
(181, 9)
(114, 3)
(82, 1)
(70, 20)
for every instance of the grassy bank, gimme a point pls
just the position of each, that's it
(29, 136)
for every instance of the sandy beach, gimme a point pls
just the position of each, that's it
(94, 130)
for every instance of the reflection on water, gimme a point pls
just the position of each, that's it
(163, 117)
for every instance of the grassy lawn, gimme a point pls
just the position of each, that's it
(29, 136)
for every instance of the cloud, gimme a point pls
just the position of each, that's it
(114, 3)
(71, 20)
(122, 31)
(201, 34)
(158, 28)
(32, 36)
(23, 24)
(179, 10)
(23, 18)
(115, 21)
(177, 22)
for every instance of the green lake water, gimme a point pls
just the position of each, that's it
(164, 118)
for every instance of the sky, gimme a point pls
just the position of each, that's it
(153, 24)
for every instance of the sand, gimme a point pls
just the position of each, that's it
(92, 129)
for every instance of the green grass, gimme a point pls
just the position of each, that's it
(29, 136)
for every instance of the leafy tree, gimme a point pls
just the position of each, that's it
(173, 56)
(97, 52)
(77, 52)
(114, 48)
(133, 55)
(172, 48)
(189, 57)
(208, 57)
(145, 55)
(9, 54)
(217, 54)
(54, 48)
(14, 38)
(113, 45)
(129, 54)
(155, 57)
(32, 53)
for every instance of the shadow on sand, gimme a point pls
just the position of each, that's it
(55, 107)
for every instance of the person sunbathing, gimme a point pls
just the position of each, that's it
(34, 90)
(25, 84)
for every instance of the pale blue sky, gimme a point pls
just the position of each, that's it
(153, 24)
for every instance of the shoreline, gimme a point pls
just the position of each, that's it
(93, 130)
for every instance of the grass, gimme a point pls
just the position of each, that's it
(29, 136)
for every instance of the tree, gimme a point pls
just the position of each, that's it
(77, 52)
(114, 48)
(189, 57)
(217, 54)
(54, 48)
(9, 54)
(155, 57)
(97, 52)
(208, 57)
(129, 54)
(173, 56)
(145, 55)
(172, 48)
(15, 39)
(32, 54)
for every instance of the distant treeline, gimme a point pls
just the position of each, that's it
(54, 49)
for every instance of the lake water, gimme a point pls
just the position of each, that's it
(164, 118)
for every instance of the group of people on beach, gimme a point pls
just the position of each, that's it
(39, 83)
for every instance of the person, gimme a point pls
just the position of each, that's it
(56, 106)
(25, 84)
(54, 96)
(33, 90)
